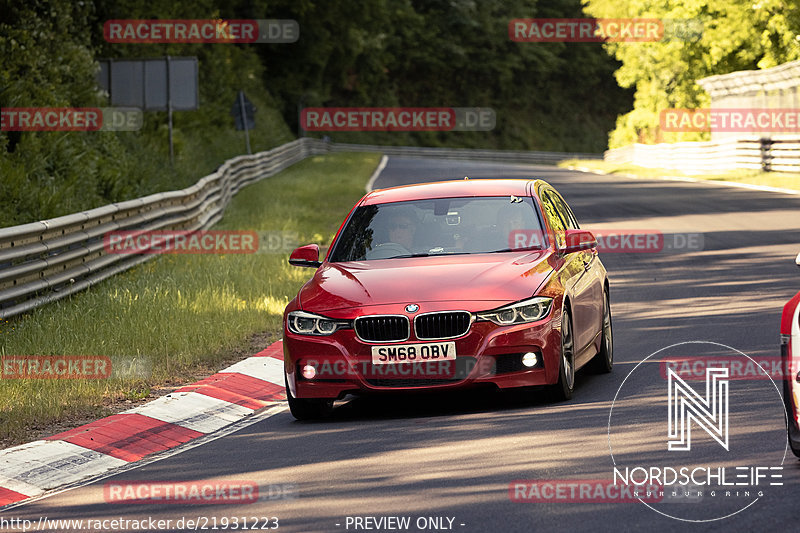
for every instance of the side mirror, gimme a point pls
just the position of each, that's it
(306, 256)
(576, 240)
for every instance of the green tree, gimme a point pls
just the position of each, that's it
(736, 35)
(557, 96)
(48, 52)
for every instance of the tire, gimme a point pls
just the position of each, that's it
(792, 431)
(563, 388)
(794, 440)
(603, 362)
(308, 408)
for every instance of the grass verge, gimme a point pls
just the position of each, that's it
(782, 180)
(178, 315)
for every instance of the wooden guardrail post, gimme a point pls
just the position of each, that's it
(766, 154)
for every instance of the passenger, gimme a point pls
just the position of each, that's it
(511, 223)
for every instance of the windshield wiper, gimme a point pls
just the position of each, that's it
(525, 249)
(426, 254)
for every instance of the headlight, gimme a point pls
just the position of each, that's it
(518, 313)
(304, 323)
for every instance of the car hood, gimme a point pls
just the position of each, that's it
(500, 278)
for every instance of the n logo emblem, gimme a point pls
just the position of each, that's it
(709, 413)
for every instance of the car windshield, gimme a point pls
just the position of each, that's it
(442, 226)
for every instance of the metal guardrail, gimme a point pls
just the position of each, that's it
(779, 154)
(44, 261)
(501, 156)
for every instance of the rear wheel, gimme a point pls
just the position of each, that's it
(562, 390)
(604, 360)
(308, 408)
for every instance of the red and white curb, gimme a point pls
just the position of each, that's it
(190, 412)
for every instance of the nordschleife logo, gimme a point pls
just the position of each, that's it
(709, 412)
(725, 443)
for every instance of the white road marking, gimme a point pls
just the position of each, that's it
(37, 466)
(376, 173)
(765, 188)
(263, 368)
(258, 417)
(194, 411)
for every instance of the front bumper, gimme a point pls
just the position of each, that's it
(487, 355)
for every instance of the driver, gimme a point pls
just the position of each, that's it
(402, 228)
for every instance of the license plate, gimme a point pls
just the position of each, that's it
(414, 353)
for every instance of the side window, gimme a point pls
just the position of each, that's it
(553, 218)
(566, 213)
(553, 212)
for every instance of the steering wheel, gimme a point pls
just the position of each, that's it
(387, 250)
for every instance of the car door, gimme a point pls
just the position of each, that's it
(582, 281)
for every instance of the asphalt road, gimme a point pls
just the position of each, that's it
(447, 462)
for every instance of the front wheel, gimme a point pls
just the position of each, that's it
(793, 432)
(604, 360)
(794, 442)
(563, 388)
(308, 408)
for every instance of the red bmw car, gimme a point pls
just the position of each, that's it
(448, 285)
(790, 353)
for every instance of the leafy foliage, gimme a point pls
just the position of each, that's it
(419, 53)
(416, 53)
(49, 51)
(736, 35)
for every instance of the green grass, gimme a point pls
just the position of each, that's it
(783, 180)
(177, 314)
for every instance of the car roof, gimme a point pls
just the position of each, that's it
(451, 189)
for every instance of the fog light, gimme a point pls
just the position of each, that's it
(530, 359)
(309, 372)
